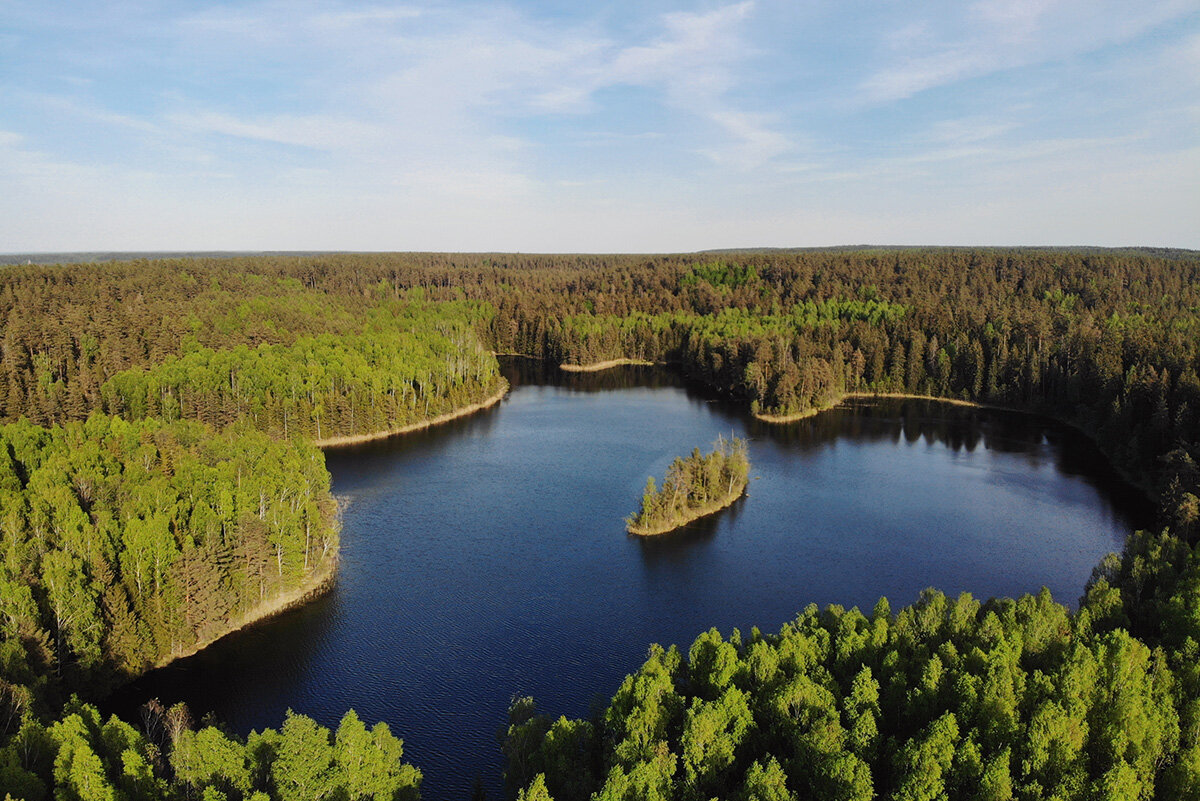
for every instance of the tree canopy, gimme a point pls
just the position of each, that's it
(696, 486)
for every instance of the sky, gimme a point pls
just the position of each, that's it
(651, 126)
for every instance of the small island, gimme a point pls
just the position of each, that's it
(694, 487)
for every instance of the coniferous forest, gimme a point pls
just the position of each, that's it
(159, 485)
(696, 486)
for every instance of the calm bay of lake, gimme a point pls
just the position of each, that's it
(488, 558)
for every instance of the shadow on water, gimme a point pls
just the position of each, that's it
(477, 424)
(1040, 442)
(676, 547)
(521, 371)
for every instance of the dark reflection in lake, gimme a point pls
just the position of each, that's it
(488, 557)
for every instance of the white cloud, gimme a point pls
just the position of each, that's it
(96, 114)
(312, 131)
(691, 60)
(990, 36)
(1012, 19)
(336, 20)
(333, 124)
(442, 97)
(755, 143)
(969, 130)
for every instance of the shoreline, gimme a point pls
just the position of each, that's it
(1145, 489)
(595, 367)
(814, 411)
(356, 439)
(692, 515)
(316, 584)
(321, 580)
(590, 367)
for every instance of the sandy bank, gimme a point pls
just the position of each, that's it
(791, 418)
(596, 366)
(692, 515)
(332, 442)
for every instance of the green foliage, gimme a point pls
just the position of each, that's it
(125, 543)
(720, 274)
(84, 758)
(121, 543)
(946, 699)
(694, 486)
(412, 361)
(536, 791)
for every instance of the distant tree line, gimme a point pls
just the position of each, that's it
(1105, 344)
(1103, 339)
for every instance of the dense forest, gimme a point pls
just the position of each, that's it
(158, 455)
(411, 362)
(127, 543)
(694, 487)
(948, 698)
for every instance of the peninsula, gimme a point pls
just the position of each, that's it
(595, 367)
(693, 488)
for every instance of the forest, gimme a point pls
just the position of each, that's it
(158, 480)
(948, 698)
(694, 487)
(83, 757)
(126, 543)
(411, 362)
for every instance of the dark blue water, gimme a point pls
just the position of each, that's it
(488, 558)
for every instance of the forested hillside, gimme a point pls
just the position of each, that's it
(127, 540)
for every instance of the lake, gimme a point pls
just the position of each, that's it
(488, 558)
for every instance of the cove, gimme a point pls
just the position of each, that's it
(487, 558)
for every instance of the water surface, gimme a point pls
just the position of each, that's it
(488, 558)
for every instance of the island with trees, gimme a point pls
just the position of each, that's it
(695, 487)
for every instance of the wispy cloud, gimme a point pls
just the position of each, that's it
(320, 132)
(339, 123)
(991, 36)
(755, 142)
(694, 63)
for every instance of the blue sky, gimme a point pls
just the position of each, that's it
(616, 127)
